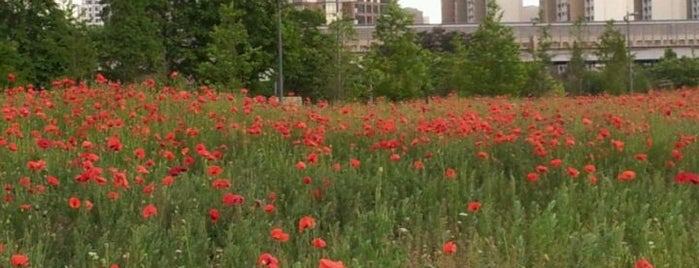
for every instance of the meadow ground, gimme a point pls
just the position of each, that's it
(150, 176)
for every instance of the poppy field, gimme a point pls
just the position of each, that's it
(146, 175)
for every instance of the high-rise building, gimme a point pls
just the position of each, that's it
(663, 9)
(602, 10)
(363, 12)
(473, 11)
(418, 15)
(693, 9)
(90, 12)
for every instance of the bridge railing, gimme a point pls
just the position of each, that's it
(643, 34)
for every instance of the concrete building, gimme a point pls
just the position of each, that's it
(562, 10)
(363, 12)
(529, 13)
(418, 15)
(663, 9)
(603, 10)
(90, 12)
(473, 11)
(693, 9)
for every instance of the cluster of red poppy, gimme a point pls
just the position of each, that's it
(114, 119)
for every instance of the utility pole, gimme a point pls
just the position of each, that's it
(628, 47)
(280, 56)
(339, 25)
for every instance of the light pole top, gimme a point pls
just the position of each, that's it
(629, 14)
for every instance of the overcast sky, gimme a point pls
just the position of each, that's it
(433, 9)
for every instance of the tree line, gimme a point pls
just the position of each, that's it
(232, 44)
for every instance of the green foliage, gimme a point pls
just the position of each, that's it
(678, 71)
(131, 42)
(496, 68)
(228, 63)
(308, 54)
(399, 69)
(346, 72)
(613, 53)
(538, 72)
(42, 43)
(576, 69)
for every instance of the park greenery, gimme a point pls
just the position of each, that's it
(232, 44)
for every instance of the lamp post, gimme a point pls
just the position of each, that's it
(628, 47)
(280, 56)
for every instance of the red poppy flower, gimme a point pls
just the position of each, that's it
(449, 248)
(318, 243)
(306, 222)
(19, 260)
(114, 144)
(450, 173)
(533, 177)
(643, 263)
(686, 177)
(627, 175)
(326, 263)
(11, 78)
(230, 199)
(214, 170)
(214, 215)
(279, 235)
(74, 203)
(473, 206)
(269, 208)
(267, 260)
(355, 163)
(149, 211)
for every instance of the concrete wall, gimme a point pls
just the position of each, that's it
(669, 9)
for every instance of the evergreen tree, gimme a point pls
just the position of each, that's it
(612, 51)
(228, 65)
(398, 65)
(496, 67)
(539, 78)
(41, 43)
(131, 44)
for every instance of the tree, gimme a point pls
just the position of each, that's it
(308, 54)
(228, 63)
(187, 26)
(496, 67)
(41, 43)
(613, 53)
(397, 63)
(539, 78)
(345, 69)
(678, 71)
(576, 68)
(131, 42)
(438, 40)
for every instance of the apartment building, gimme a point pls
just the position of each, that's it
(473, 11)
(363, 12)
(90, 12)
(602, 10)
(418, 15)
(663, 9)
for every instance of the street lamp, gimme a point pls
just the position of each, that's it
(628, 46)
(280, 56)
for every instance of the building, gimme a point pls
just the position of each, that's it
(529, 13)
(693, 9)
(663, 9)
(603, 10)
(418, 16)
(90, 12)
(363, 12)
(473, 11)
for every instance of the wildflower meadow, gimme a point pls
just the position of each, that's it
(146, 175)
